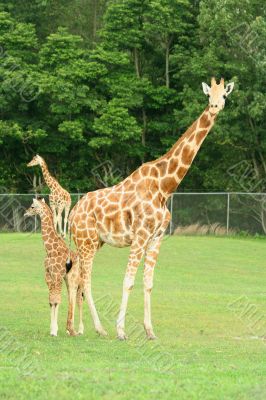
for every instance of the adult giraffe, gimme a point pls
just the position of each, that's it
(134, 212)
(59, 198)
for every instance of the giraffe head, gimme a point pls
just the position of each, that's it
(37, 160)
(217, 94)
(38, 207)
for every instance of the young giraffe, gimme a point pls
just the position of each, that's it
(134, 212)
(57, 269)
(59, 198)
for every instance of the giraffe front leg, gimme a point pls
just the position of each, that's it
(52, 333)
(54, 317)
(151, 256)
(55, 300)
(149, 265)
(50, 284)
(136, 254)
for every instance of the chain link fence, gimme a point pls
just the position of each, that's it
(218, 213)
(192, 213)
(13, 207)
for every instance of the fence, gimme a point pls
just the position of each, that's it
(192, 213)
(218, 213)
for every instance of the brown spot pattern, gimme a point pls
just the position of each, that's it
(204, 121)
(187, 155)
(168, 185)
(172, 165)
(200, 136)
(181, 172)
(162, 166)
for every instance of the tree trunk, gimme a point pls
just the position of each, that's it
(167, 54)
(94, 22)
(136, 62)
(167, 78)
(144, 130)
(144, 117)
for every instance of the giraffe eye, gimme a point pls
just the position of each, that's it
(224, 96)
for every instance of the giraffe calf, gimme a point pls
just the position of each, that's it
(57, 269)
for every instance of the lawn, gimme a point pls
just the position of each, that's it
(208, 308)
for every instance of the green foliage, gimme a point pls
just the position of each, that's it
(116, 124)
(84, 82)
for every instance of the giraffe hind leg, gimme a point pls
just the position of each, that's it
(59, 219)
(67, 209)
(80, 307)
(72, 293)
(86, 259)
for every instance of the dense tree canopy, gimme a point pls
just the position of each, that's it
(98, 87)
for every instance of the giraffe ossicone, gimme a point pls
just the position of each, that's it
(134, 212)
(59, 198)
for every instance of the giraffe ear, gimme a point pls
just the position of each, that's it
(206, 88)
(40, 199)
(229, 88)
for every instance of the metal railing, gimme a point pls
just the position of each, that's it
(219, 213)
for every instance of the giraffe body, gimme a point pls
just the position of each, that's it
(57, 254)
(134, 212)
(59, 198)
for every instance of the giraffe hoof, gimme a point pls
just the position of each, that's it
(151, 337)
(53, 334)
(122, 337)
(150, 334)
(71, 332)
(101, 332)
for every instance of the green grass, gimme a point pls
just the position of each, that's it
(209, 344)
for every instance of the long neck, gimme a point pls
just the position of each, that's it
(174, 165)
(49, 180)
(49, 234)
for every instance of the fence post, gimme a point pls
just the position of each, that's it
(171, 211)
(35, 217)
(228, 213)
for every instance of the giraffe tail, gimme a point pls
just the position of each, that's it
(68, 265)
(69, 262)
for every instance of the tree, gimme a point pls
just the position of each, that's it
(80, 17)
(166, 25)
(18, 68)
(125, 93)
